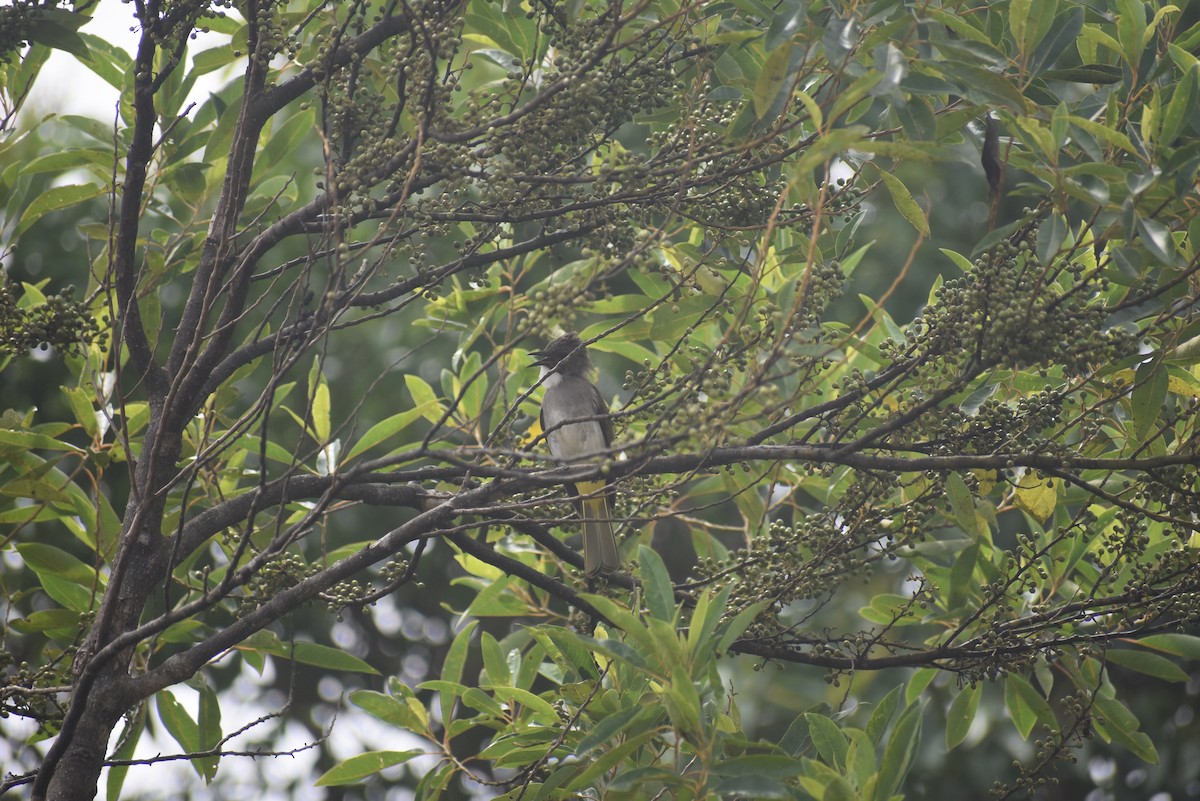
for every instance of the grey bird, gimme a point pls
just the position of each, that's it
(578, 430)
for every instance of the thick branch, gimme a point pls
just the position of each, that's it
(137, 160)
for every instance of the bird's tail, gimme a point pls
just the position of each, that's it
(600, 555)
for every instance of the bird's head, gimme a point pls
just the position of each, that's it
(565, 354)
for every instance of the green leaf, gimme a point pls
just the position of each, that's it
(494, 662)
(917, 684)
(568, 650)
(311, 653)
(178, 723)
(624, 620)
(609, 760)
(753, 787)
(840, 789)
(318, 392)
(1050, 238)
(986, 87)
(1117, 724)
(1158, 240)
(63, 160)
(889, 609)
(48, 560)
(57, 28)
(478, 699)
(737, 625)
(1185, 645)
(406, 713)
(705, 617)
(780, 767)
(1105, 134)
(135, 724)
(683, 702)
(357, 768)
(772, 79)
(56, 198)
(510, 31)
(1182, 103)
(543, 712)
(609, 727)
(1143, 662)
(904, 202)
(1018, 20)
(385, 429)
(208, 727)
(962, 503)
(961, 572)
(1064, 31)
(830, 743)
(495, 599)
(188, 181)
(308, 653)
(656, 584)
(285, 139)
(1131, 24)
(1026, 706)
(882, 714)
(420, 390)
(57, 623)
(1149, 392)
(898, 755)
(961, 715)
(785, 22)
(961, 261)
(452, 666)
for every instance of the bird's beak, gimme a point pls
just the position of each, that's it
(540, 359)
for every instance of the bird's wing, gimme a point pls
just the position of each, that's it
(602, 409)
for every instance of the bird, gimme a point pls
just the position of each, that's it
(578, 430)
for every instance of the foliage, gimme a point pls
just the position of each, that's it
(313, 295)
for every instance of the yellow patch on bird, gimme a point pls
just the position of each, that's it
(589, 488)
(532, 433)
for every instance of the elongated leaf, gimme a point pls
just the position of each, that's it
(1115, 722)
(899, 753)
(962, 503)
(738, 625)
(357, 768)
(750, 786)
(46, 559)
(54, 199)
(905, 204)
(831, 744)
(452, 666)
(385, 429)
(609, 727)
(656, 584)
(1185, 645)
(493, 660)
(311, 653)
(208, 730)
(772, 79)
(130, 735)
(1148, 663)
(396, 711)
(961, 715)
(178, 723)
(882, 714)
(708, 612)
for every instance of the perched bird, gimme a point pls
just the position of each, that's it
(578, 430)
